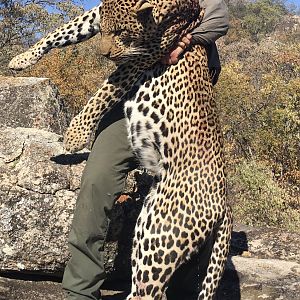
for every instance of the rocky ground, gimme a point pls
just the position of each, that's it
(264, 264)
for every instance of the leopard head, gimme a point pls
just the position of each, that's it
(144, 29)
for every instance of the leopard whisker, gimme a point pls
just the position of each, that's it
(135, 51)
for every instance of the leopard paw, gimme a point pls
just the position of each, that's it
(23, 61)
(76, 136)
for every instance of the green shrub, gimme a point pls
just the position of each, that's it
(258, 200)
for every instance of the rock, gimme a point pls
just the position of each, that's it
(265, 278)
(38, 189)
(265, 242)
(31, 102)
(255, 278)
(264, 264)
(244, 279)
(18, 289)
(12, 289)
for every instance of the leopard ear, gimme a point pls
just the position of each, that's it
(144, 11)
(144, 6)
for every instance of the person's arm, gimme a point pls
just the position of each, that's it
(215, 22)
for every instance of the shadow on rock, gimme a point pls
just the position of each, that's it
(70, 159)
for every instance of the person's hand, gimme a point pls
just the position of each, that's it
(173, 57)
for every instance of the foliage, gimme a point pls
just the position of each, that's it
(259, 200)
(255, 19)
(259, 99)
(261, 118)
(262, 16)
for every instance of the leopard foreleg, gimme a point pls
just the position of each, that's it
(75, 31)
(115, 89)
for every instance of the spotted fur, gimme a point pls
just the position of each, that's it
(76, 31)
(174, 130)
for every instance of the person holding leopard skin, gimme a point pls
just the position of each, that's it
(104, 177)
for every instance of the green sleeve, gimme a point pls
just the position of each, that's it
(214, 24)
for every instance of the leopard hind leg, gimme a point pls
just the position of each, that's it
(217, 258)
(160, 246)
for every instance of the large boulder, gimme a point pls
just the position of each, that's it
(31, 102)
(37, 194)
(38, 188)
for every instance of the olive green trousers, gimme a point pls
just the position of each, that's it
(102, 182)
